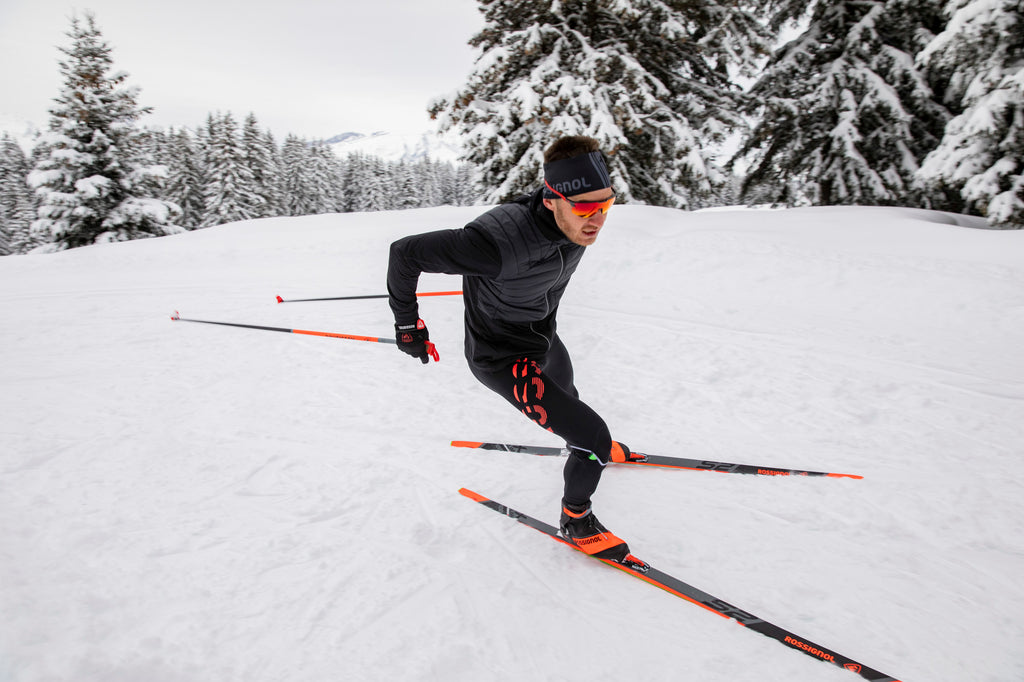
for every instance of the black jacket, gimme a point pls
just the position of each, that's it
(515, 264)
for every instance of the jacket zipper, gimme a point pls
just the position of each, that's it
(547, 295)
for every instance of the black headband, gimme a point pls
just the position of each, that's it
(577, 175)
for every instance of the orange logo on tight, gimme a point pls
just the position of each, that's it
(536, 413)
(538, 385)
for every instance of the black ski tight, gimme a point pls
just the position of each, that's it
(542, 388)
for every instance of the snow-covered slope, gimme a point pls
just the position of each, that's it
(185, 502)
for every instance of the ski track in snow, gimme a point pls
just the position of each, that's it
(187, 502)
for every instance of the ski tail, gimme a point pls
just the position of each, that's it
(509, 447)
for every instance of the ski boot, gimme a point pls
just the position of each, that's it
(579, 526)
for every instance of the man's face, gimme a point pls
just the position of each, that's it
(582, 231)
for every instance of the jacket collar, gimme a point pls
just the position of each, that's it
(545, 217)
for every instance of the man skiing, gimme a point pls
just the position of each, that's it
(516, 261)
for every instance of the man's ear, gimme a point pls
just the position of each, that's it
(549, 204)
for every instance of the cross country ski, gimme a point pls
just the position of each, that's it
(658, 461)
(649, 574)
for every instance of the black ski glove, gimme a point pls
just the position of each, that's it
(414, 339)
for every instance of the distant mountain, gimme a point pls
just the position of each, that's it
(386, 145)
(346, 137)
(22, 130)
(397, 146)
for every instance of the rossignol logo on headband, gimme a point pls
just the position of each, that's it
(576, 185)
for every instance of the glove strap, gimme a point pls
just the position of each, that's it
(405, 330)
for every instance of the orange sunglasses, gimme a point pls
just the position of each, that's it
(585, 209)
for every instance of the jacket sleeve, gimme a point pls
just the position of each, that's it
(454, 252)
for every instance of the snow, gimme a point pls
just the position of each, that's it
(194, 502)
(92, 187)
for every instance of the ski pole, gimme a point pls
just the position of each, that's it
(353, 298)
(373, 339)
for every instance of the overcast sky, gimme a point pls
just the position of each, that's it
(315, 68)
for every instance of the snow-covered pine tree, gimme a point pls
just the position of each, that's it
(647, 78)
(347, 182)
(412, 186)
(91, 176)
(843, 115)
(230, 188)
(448, 188)
(426, 182)
(17, 206)
(294, 178)
(353, 182)
(365, 184)
(8, 200)
(464, 193)
(978, 61)
(186, 180)
(380, 188)
(323, 179)
(272, 183)
(260, 154)
(153, 145)
(444, 184)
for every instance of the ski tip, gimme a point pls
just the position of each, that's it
(280, 300)
(465, 444)
(476, 497)
(855, 476)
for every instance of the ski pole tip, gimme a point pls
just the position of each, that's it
(176, 316)
(280, 300)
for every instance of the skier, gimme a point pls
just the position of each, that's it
(516, 261)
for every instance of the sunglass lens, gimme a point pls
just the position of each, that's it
(589, 208)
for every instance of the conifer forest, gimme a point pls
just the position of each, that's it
(916, 103)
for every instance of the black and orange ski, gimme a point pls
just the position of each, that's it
(696, 596)
(658, 461)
